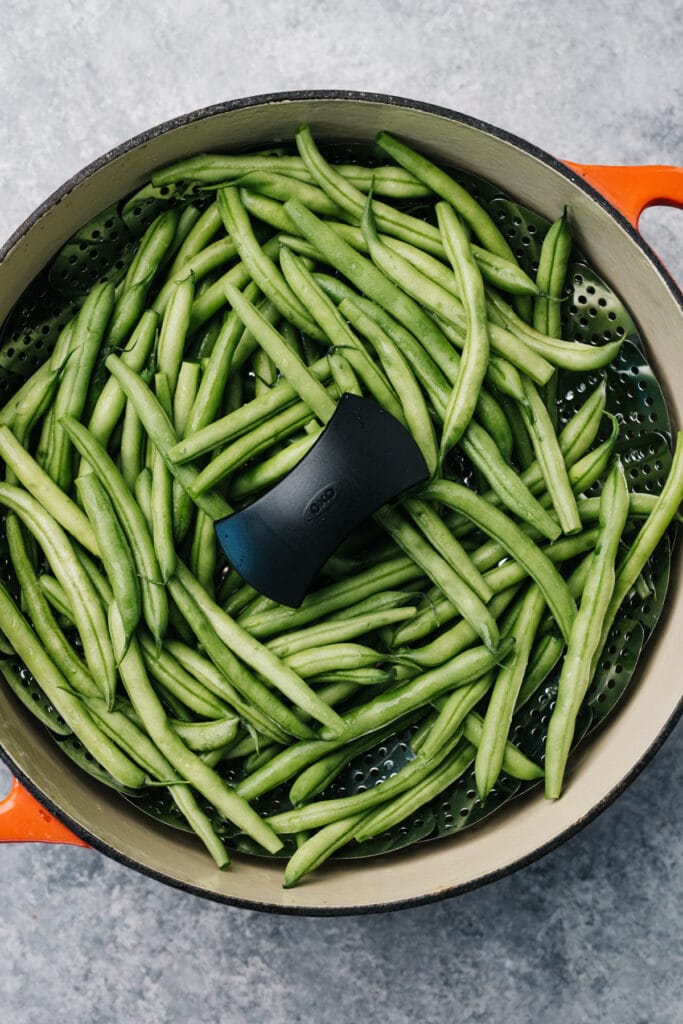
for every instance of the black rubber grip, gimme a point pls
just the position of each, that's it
(362, 459)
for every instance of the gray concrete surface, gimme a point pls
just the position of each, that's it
(592, 932)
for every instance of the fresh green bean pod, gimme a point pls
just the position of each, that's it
(443, 185)
(261, 268)
(56, 688)
(491, 744)
(112, 400)
(584, 643)
(129, 514)
(460, 593)
(114, 550)
(500, 526)
(44, 490)
(549, 457)
(323, 310)
(259, 657)
(187, 764)
(86, 341)
(88, 614)
(402, 806)
(463, 398)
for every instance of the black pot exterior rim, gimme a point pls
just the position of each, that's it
(351, 96)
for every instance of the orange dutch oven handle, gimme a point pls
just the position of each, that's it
(630, 190)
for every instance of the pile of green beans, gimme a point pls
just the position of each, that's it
(198, 378)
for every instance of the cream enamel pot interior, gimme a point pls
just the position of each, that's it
(73, 808)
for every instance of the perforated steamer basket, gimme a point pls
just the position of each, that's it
(53, 801)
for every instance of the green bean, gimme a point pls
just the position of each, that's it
(267, 472)
(454, 710)
(351, 200)
(364, 676)
(228, 664)
(441, 538)
(88, 615)
(151, 249)
(161, 432)
(196, 269)
(336, 596)
(174, 329)
(463, 398)
(492, 742)
(260, 266)
(57, 690)
(180, 684)
(333, 632)
(649, 535)
(343, 376)
(241, 599)
(511, 490)
(212, 168)
(317, 848)
(185, 394)
(259, 657)
(500, 526)
(574, 355)
(43, 381)
(584, 643)
(384, 709)
(203, 555)
(369, 279)
(154, 600)
(114, 549)
(443, 185)
(337, 330)
(398, 286)
(324, 812)
(458, 637)
(203, 736)
(43, 489)
(209, 435)
(206, 673)
(200, 236)
(499, 272)
(187, 764)
(130, 304)
(549, 457)
(316, 661)
(282, 188)
(304, 383)
(432, 379)
(249, 445)
(213, 299)
(460, 593)
(405, 804)
(317, 777)
(162, 494)
(38, 610)
(111, 401)
(54, 592)
(143, 493)
(70, 399)
(130, 449)
(412, 404)
(552, 270)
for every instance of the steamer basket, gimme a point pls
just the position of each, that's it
(53, 801)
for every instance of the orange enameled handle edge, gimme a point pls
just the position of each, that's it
(632, 189)
(24, 820)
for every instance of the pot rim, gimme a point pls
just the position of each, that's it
(202, 113)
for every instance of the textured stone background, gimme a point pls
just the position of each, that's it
(592, 932)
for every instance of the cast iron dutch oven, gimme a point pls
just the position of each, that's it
(53, 801)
